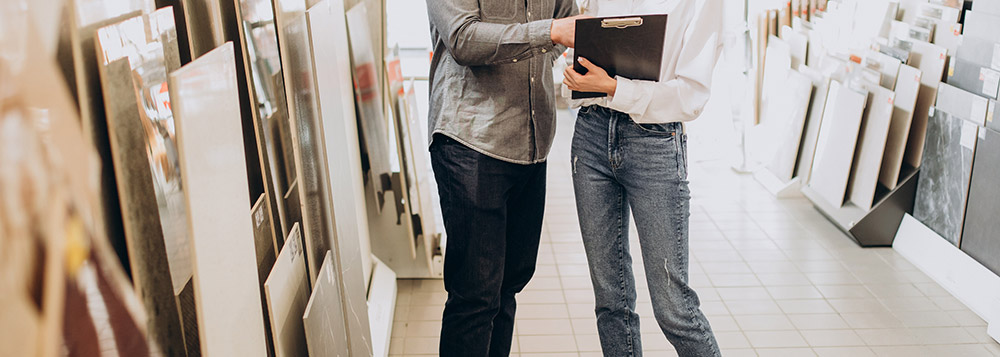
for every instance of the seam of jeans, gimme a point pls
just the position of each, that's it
(621, 269)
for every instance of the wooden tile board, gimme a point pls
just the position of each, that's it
(814, 120)
(796, 91)
(324, 320)
(149, 189)
(204, 97)
(907, 87)
(78, 59)
(930, 60)
(328, 37)
(259, 49)
(309, 150)
(266, 255)
(368, 94)
(287, 290)
(871, 147)
(837, 142)
(943, 184)
(424, 181)
(962, 104)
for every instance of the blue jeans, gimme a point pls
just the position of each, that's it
(493, 216)
(618, 165)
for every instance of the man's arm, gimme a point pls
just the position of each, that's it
(564, 9)
(473, 42)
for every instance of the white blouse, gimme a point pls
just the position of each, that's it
(691, 49)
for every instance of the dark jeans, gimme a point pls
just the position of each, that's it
(619, 165)
(493, 217)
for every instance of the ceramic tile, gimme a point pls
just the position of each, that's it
(835, 149)
(943, 185)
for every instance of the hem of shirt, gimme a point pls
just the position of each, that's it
(487, 153)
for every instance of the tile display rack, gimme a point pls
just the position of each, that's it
(876, 227)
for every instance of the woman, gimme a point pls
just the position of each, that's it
(630, 151)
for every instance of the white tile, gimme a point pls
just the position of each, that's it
(544, 327)
(794, 292)
(942, 335)
(887, 337)
(734, 339)
(818, 321)
(588, 343)
(805, 306)
(420, 345)
(785, 352)
(753, 307)
(844, 352)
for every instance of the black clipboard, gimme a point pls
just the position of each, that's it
(630, 46)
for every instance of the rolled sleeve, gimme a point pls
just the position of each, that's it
(540, 34)
(624, 99)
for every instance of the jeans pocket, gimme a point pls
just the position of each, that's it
(656, 129)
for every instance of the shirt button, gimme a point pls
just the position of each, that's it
(529, 14)
(544, 50)
(515, 60)
(532, 113)
(532, 79)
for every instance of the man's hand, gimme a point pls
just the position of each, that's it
(564, 30)
(596, 79)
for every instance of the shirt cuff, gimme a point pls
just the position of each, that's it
(541, 34)
(622, 101)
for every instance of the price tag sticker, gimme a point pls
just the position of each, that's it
(979, 108)
(969, 134)
(991, 81)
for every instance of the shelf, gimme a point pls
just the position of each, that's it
(877, 227)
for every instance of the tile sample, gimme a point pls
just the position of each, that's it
(837, 140)
(962, 104)
(777, 65)
(983, 24)
(323, 318)
(798, 44)
(943, 184)
(133, 63)
(421, 162)
(78, 60)
(907, 89)
(368, 94)
(986, 7)
(353, 258)
(871, 146)
(790, 123)
(204, 27)
(973, 77)
(266, 255)
(980, 239)
(309, 148)
(814, 120)
(205, 100)
(886, 65)
(930, 60)
(978, 50)
(262, 69)
(287, 291)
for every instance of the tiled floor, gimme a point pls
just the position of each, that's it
(775, 279)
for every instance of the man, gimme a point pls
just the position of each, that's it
(492, 121)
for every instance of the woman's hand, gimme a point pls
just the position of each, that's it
(596, 79)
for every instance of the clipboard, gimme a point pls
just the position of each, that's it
(631, 47)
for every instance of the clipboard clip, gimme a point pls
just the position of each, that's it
(621, 23)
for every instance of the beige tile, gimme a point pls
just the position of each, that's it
(901, 351)
(428, 298)
(420, 345)
(723, 323)
(423, 328)
(426, 313)
(588, 343)
(655, 342)
(844, 352)
(871, 320)
(785, 352)
(794, 292)
(734, 339)
(739, 352)
(805, 306)
(753, 307)
(943, 335)
(926, 319)
(543, 311)
(544, 283)
(733, 280)
(763, 322)
(533, 344)
(584, 326)
(832, 338)
(818, 321)
(887, 337)
(545, 327)
(845, 292)
(961, 350)
(396, 346)
(541, 297)
(743, 293)
(773, 339)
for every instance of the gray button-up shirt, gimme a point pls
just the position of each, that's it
(491, 75)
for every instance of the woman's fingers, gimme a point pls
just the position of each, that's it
(589, 65)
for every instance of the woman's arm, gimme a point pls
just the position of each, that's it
(680, 98)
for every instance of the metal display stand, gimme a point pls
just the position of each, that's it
(877, 227)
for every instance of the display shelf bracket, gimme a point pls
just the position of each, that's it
(877, 227)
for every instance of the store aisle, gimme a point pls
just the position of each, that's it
(775, 279)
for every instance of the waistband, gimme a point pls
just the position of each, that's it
(609, 113)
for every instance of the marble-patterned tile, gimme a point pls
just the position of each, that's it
(943, 184)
